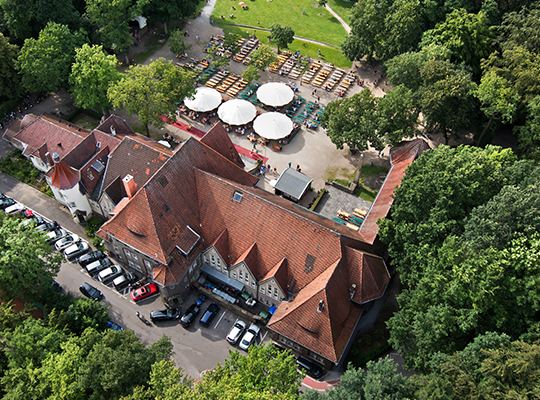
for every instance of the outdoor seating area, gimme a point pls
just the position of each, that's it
(247, 47)
(345, 84)
(227, 83)
(322, 75)
(217, 78)
(310, 73)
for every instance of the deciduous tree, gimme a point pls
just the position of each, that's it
(166, 11)
(9, 80)
(152, 91)
(282, 36)
(45, 63)
(91, 75)
(529, 134)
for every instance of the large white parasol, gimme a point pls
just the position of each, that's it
(273, 125)
(205, 99)
(237, 112)
(275, 94)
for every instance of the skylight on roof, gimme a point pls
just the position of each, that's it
(237, 196)
(98, 166)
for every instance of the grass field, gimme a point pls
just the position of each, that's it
(342, 8)
(316, 23)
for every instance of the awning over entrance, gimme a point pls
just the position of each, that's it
(221, 277)
(292, 184)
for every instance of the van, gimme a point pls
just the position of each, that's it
(75, 250)
(96, 266)
(311, 368)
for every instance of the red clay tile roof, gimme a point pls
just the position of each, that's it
(87, 171)
(116, 190)
(121, 127)
(63, 176)
(56, 135)
(250, 259)
(369, 273)
(400, 157)
(161, 211)
(279, 273)
(218, 139)
(134, 158)
(172, 272)
(221, 244)
(320, 317)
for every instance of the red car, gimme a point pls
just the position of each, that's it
(144, 292)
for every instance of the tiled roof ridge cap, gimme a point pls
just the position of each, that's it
(235, 184)
(51, 119)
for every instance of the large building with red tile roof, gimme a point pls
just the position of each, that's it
(202, 212)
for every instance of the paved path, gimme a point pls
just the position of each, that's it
(343, 23)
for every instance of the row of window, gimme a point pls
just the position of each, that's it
(133, 259)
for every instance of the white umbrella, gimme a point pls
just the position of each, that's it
(273, 125)
(237, 112)
(275, 94)
(205, 99)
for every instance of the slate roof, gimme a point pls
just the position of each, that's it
(401, 157)
(218, 139)
(293, 183)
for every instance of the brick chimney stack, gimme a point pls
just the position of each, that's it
(130, 186)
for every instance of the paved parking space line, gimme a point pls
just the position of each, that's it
(222, 315)
(262, 339)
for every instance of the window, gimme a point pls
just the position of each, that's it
(128, 254)
(269, 290)
(267, 302)
(135, 258)
(205, 259)
(131, 263)
(246, 278)
(218, 262)
(252, 284)
(261, 299)
(213, 260)
(262, 289)
(275, 293)
(234, 275)
(316, 357)
(116, 249)
(240, 275)
(147, 264)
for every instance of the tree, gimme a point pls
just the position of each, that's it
(45, 63)
(445, 98)
(9, 80)
(85, 313)
(520, 29)
(352, 121)
(281, 36)
(497, 98)
(166, 11)
(176, 42)
(111, 19)
(404, 25)
(17, 17)
(529, 134)
(152, 91)
(27, 262)
(397, 115)
(467, 36)
(91, 75)
(380, 381)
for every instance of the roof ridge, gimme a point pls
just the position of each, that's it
(143, 189)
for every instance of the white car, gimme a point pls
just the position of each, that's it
(76, 250)
(236, 331)
(66, 241)
(14, 209)
(109, 274)
(54, 236)
(249, 337)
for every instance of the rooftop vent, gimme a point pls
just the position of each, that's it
(237, 196)
(321, 306)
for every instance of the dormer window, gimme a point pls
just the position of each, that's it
(90, 174)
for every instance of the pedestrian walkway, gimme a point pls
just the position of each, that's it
(343, 23)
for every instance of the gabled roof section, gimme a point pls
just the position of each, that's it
(321, 316)
(401, 157)
(57, 135)
(369, 273)
(279, 273)
(90, 176)
(218, 139)
(63, 176)
(170, 273)
(221, 244)
(249, 257)
(134, 158)
(116, 190)
(119, 125)
(167, 205)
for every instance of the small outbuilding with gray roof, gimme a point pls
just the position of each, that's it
(292, 184)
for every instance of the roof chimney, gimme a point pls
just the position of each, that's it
(130, 185)
(321, 306)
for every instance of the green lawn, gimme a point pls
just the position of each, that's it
(342, 8)
(317, 24)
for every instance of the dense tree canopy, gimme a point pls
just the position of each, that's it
(91, 75)
(45, 63)
(9, 80)
(463, 237)
(152, 91)
(166, 11)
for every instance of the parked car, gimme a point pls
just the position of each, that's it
(26, 213)
(14, 209)
(169, 314)
(66, 241)
(249, 337)
(96, 266)
(122, 281)
(90, 258)
(90, 291)
(36, 220)
(55, 235)
(6, 202)
(144, 292)
(76, 250)
(189, 315)
(48, 226)
(113, 326)
(108, 274)
(310, 367)
(209, 315)
(236, 331)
